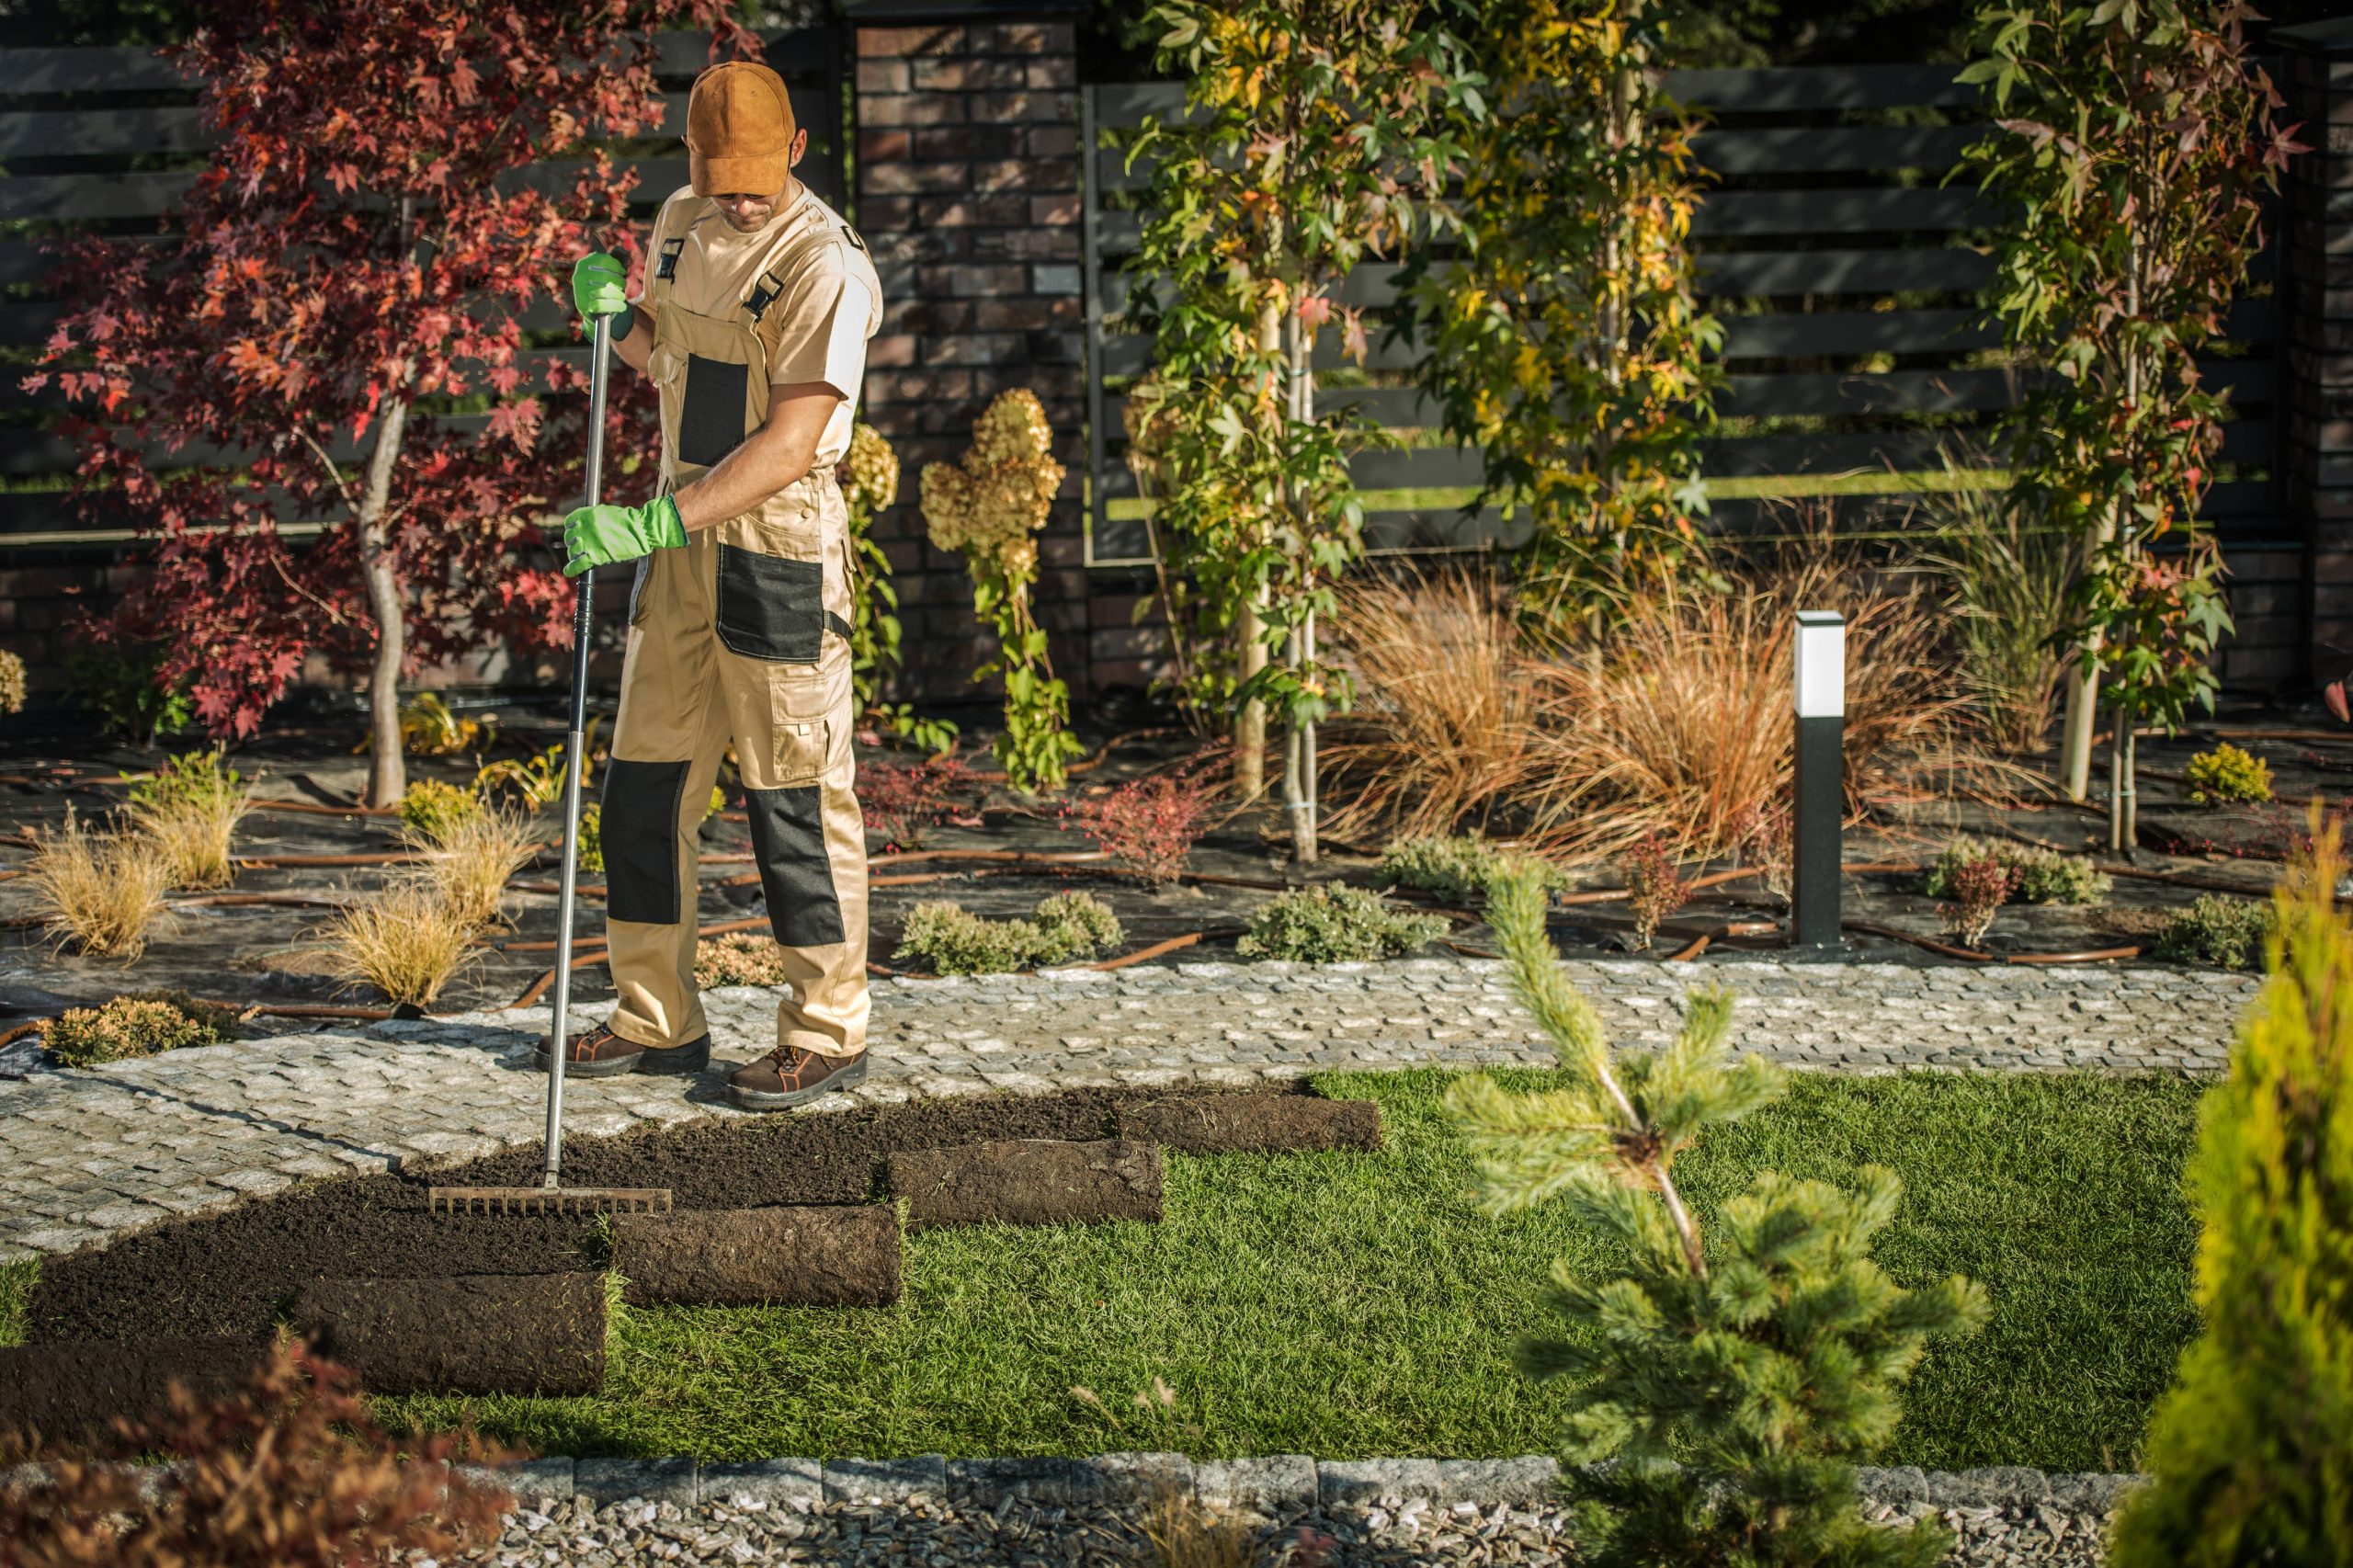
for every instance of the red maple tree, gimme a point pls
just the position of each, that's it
(333, 332)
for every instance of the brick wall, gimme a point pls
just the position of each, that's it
(2316, 402)
(967, 180)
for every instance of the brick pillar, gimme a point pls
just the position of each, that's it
(2316, 396)
(967, 190)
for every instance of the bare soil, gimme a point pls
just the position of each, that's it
(237, 1271)
(74, 1393)
(542, 1333)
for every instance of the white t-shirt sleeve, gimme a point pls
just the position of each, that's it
(822, 333)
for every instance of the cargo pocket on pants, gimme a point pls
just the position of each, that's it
(770, 607)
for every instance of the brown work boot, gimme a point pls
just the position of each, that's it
(789, 1077)
(598, 1054)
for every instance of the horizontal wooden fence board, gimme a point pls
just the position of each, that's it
(1918, 270)
(93, 70)
(60, 133)
(1756, 150)
(1800, 88)
(1876, 211)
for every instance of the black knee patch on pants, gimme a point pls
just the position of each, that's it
(789, 836)
(638, 827)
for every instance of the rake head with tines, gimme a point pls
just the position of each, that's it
(548, 1199)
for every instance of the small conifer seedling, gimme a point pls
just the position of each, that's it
(1740, 1369)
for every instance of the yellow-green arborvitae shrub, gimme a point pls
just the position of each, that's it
(2250, 1455)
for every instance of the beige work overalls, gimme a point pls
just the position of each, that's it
(741, 634)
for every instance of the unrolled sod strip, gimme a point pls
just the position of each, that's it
(539, 1334)
(1253, 1124)
(1029, 1181)
(829, 1255)
(73, 1392)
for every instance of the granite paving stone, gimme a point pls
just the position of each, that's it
(86, 1154)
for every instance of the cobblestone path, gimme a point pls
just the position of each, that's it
(86, 1154)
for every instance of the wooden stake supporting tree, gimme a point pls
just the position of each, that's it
(2137, 142)
(1309, 141)
(347, 274)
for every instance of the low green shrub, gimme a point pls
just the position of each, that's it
(1459, 866)
(191, 778)
(2227, 774)
(128, 1027)
(2217, 929)
(1332, 922)
(118, 684)
(591, 838)
(2037, 876)
(433, 811)
(738, 957)
(956, 941)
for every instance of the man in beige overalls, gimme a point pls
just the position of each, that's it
(753, 321)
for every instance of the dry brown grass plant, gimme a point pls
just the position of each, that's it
(1676, 723)
(468, 860)
(407, 942)
(97, 891)
(1186, 1534)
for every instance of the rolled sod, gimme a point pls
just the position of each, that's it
(1253, 1124)
(830, 1255)
(540, 1334)
(1029, 1181)
(73, 1392)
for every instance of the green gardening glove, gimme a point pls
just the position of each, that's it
(599, 536)
(600, 288)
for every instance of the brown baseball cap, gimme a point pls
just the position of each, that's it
(739, 131)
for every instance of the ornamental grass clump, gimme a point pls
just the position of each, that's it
(130, 1027)
(407, 942)
(467, 865)
(188, 814)
(99, 892)
(1728, 1382)
(2250, 1454)
(1065, 927)
(1457, 866)
(2217, 930)
(2228, 775)
(1334, 923)
(988, 507)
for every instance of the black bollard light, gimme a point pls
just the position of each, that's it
(1820, 784)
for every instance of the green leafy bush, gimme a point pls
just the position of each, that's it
(118, 686)
(2217, 929)
(1728, 1382)
(2247, 1455)
(132, 1026)
(1459, 866)
(2225, 775)
(191, 778)
(738, 957)
(1064, 926)
(2037, 876)
(1332, 922)
(434, 812)
(591, 838)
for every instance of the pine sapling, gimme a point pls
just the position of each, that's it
(1655, 889)
(1742, 1366)
(2250, 1455)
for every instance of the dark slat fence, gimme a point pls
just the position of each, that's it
(74, 122)
(1836, 254)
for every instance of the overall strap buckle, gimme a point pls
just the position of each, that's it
(764, 294)
(666, 268)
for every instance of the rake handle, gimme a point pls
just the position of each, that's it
(575, 761)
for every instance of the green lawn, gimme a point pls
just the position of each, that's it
(1351, 1305)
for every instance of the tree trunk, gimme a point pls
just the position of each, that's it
(1250, 723)
(387, 767)
(2075, 731)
